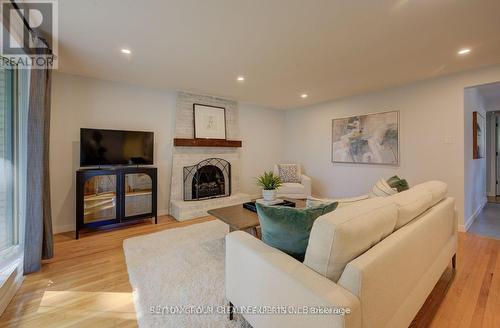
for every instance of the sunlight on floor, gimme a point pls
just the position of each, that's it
(82, 308)
(92, 301)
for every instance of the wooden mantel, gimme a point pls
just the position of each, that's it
(181, 142)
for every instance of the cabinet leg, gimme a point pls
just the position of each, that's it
(77, 234)
(156, 219)
(231, 309)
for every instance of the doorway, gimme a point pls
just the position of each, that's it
(483, 102)
(496, 156)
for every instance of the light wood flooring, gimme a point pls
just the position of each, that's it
(494, 199)
(86, 284)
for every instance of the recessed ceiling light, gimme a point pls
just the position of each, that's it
(240, 78)
(304, 96)
(126, 51)
(464, 51)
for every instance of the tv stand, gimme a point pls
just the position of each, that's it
(115, 195)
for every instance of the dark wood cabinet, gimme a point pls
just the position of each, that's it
(115, 195)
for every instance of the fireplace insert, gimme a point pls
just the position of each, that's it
(211, 178)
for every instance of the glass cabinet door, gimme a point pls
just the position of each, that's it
(138, 192)
(99, 201)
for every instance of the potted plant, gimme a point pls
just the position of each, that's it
(269, 183)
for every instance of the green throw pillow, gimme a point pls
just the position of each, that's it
(288, 228)
(398, 183)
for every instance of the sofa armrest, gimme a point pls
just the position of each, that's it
(306, 182)
(259, 275)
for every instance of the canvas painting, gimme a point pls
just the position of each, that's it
(479, 135)
(209, 122)
(367, 139)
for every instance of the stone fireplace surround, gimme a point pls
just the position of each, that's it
(183, 210)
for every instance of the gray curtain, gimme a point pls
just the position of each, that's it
(38, 243)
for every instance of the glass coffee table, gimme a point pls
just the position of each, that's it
(239, 218)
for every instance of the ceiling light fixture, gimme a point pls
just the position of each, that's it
(304, 96)
(464, 51)
(126, 51)
(240, 78)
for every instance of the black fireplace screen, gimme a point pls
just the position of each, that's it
(210, 178)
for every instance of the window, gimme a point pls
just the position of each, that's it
(8, 224)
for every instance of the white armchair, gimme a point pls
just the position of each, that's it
(295, 190)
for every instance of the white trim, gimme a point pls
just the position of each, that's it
(11, 279)
(473, 217)
(162, 212)
(63, 228)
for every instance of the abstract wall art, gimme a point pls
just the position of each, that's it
(366, 139)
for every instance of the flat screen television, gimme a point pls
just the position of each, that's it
(100, 147)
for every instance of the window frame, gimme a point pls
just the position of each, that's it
(10, 256)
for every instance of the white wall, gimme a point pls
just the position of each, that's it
(262, 131)
(433, 131)
(84, 102)
(436, 136)
(475, 169)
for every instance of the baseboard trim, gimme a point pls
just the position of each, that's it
(63, 228)
(470, 220)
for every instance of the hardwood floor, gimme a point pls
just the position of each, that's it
(86, 284)
(494, 199)
(487, 222)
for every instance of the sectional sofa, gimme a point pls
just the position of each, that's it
(371, 263)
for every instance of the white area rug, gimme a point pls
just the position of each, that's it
(179, 267)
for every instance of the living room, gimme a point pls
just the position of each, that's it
(243, 90)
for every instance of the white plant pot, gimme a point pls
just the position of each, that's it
(269, 195)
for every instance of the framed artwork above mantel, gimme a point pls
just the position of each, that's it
(209, 122)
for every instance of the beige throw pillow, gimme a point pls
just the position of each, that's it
(289, 173)
(382, 189)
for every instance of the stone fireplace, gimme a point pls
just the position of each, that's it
(211, 178)
(204, 178)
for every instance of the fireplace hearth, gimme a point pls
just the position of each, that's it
(210, 178)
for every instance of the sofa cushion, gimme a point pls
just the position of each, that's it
(288, 228)
(340, 236)
(411, 203)
(394, 278)
(291, 188)
(437, 189)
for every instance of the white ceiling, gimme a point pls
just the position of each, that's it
(326, 48)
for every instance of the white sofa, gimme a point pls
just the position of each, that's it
(380, 258)
(295, 190)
